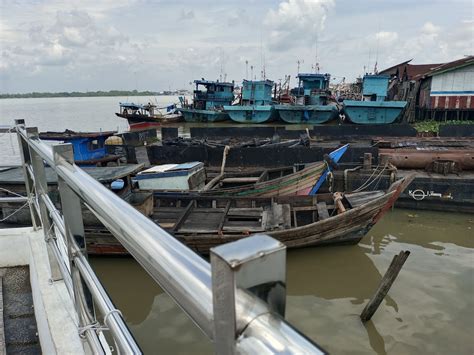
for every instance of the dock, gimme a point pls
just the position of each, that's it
(73, 311)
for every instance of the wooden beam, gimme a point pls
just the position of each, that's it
(323, 212)
(224, 215)
(183, 216)
(385, 284)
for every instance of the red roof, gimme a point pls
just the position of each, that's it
(409, 70)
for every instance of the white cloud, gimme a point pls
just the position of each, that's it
(430, 29)
(386, 38)
(296, 21)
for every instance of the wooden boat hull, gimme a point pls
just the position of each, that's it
(192, 115)
(210, 221)
(373, 112)
(138, 121)
(307, 114)
(250, 114)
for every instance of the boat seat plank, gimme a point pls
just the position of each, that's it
(323, 212)
(240, 180)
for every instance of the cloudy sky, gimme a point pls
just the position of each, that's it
(84, 45)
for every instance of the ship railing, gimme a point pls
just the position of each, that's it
(237, 300)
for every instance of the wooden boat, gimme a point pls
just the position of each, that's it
(297, 221)
(256, 104)
(311, 106)
(303, 182)
(144, 116)
(208, 104)
(373, 108)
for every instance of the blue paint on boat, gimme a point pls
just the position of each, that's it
(208, 104)
(256, 104)
(373, 109)
(312, 106)
(335, 156)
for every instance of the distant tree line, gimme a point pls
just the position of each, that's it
(82, 94)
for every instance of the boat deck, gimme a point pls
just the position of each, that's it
(18, 329)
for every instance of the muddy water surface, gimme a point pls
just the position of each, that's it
(430, 308)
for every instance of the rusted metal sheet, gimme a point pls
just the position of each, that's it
(452, 102)
(422, 158)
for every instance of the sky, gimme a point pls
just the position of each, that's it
(88, 45)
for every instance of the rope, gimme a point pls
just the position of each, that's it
(366, 184)
(14, 212)
(11, 192)
(92, 326)
(115, 310)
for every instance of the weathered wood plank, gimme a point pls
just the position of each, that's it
(224, 215)
(183, 216)
(385, 284)
(322, 210)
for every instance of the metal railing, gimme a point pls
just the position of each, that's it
(238, 303)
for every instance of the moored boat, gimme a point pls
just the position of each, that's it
(266, 183)
(312, 104)
(144, 116)
(256, 103)
(89, 147)
(298, 221)
(373, 109)
(208, 104)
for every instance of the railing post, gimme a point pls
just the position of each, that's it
(41, 186)
(254, 264)
(29, 182)
(74, 226)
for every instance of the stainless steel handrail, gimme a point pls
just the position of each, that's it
(183, 274)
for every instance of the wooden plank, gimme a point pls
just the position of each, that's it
(183, 216)
(224, 215)
(385, 284)
(323, 212)
(240, 180)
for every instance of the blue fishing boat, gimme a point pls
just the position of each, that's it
(312, 104)
(208, 104)
(373, 109)
(89, 147)
(256, 104)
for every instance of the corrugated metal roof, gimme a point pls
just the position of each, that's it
(468, 60)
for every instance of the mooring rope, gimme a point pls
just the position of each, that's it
(367, 183)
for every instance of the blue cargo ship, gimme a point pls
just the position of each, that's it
(208, 104)
(256, 104)
(373, 109)
(312, 105)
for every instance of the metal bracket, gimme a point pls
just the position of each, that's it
(255, 264)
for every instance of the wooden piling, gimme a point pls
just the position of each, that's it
(385, 284)
(367, 161)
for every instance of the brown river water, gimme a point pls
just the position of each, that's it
(429, 309)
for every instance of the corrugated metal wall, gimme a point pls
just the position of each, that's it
(453, 89)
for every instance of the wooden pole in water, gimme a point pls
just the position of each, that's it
(385, 284)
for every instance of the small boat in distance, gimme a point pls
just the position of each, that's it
(208, 104)
(256, 103)
(149, 115)
(312, 101)
(373, 109)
